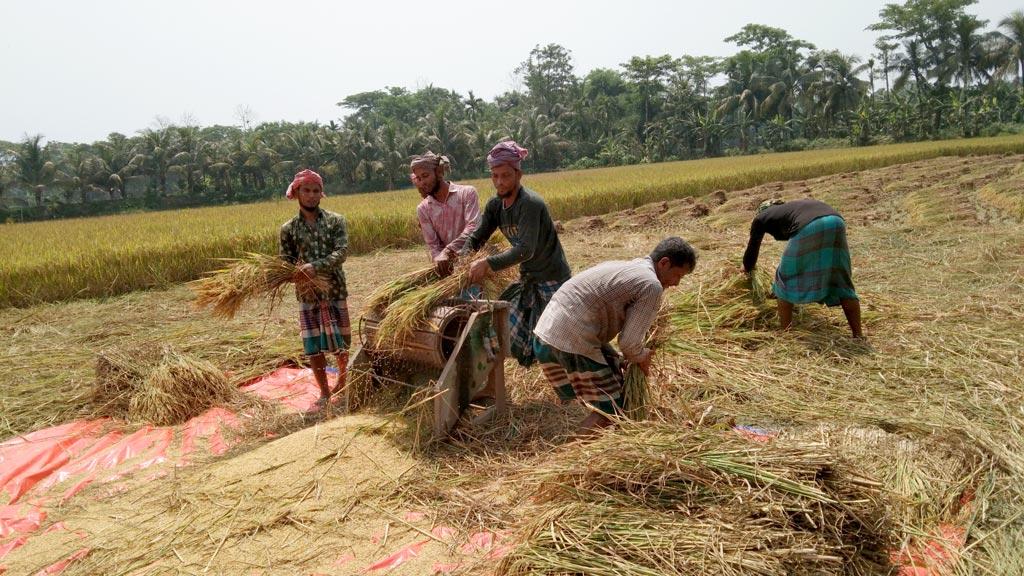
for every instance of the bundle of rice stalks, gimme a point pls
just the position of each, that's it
(635, 392)
(255, 275)
(408, 310)
(179, 388)
(164, 390)
(118, 375)
(730, 307)
(653, 498)
(383, 296)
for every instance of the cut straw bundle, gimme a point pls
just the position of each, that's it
(383, 296)
(732, 307)
(635, 391)
(255, 275)
(164, 390)
(410, 301)
(656, 499)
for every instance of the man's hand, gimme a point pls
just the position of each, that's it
(743, 270)
(645, 364)
(444, 263)
(305, 273)
(477, 270)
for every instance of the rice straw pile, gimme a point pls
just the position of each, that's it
(255, 275)
(163, 390)
(411, 299)
(731, 307)
(658, 499)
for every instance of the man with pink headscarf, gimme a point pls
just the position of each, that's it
(448, 213)
(523, 217)
(318, 240)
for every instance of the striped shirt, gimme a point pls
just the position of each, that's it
(448, 224)
(613, 298)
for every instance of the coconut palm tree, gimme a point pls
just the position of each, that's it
(114, 157)
(155, 155)
(192, 158)
(838, 90)
(34, 168)
(1014, 43)
(969, 54)
(394, 145)
(77, 172)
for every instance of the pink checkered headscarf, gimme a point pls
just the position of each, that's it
(307, 176)
(507, 152)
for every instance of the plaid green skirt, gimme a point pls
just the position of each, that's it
(527, 301)
(815, 265)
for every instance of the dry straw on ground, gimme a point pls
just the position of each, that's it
(656, 498)
(162, 389)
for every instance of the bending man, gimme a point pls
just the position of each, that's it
(815, 265)
(611, 299)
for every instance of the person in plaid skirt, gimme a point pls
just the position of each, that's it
(523, 218)
(317, 240)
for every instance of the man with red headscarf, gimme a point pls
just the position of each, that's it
(524, 219)
(317, 240)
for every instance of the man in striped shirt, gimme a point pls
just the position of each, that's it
(448, 213)
(619, 298)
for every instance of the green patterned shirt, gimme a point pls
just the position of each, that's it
(324, 245)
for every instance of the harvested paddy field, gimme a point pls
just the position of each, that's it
(805, 452)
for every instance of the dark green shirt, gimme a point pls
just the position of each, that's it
(324, 245)
(528, 226)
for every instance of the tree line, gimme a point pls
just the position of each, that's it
(938, 72)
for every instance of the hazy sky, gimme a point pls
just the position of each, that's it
(76, 70)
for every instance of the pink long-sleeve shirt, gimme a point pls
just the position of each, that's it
(448, 224)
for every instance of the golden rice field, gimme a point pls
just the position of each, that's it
(62, 260)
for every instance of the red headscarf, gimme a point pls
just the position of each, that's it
(307, 176)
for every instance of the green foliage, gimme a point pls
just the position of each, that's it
(939, 72)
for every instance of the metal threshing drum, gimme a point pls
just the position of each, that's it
(430, 346)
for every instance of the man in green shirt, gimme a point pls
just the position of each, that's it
(522, 216)
(318, 240)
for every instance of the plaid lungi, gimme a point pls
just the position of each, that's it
(527, 301)
(815, 265)
(580, 377)
(324, 327)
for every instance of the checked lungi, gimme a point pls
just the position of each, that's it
(324, 327)
(575, 376)
(527, 301)
(815, 265)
